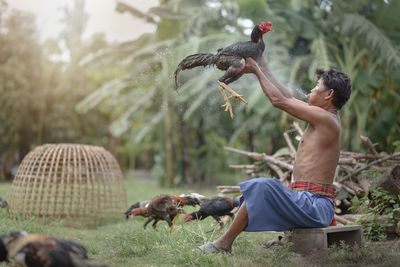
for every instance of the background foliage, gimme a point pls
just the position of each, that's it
(122, 96)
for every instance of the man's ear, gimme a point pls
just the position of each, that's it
(330, 94)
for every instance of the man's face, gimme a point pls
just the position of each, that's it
(317, 95)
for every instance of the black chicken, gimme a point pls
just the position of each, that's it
(232, 59)
(165, 207)
(34, 250)
(214, 207)
(3, 203)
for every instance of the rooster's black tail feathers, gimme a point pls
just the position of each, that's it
(193, 61)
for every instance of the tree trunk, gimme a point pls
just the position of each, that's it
(201, 142)
(184, 151)
(169, 147)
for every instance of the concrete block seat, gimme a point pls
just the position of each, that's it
(309, 240)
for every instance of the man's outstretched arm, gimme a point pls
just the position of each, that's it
(267, 72)
(284, 100)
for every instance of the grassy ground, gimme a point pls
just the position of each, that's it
(125, 243)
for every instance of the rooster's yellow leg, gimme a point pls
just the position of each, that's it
(173, 222)
(233, 93)
(227, 104)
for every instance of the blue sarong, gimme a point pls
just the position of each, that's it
(273, 207)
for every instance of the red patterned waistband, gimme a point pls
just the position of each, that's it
(326, 190)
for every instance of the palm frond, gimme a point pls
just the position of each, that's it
(320, 58)
(111, 88)
(373, 36)
(149, 126)
(122, 7)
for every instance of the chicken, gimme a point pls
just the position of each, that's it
(232, 59)
(141, 204)
(164, 207)
(214, 207)
(3, 203)
(33, 250)
(200, 198)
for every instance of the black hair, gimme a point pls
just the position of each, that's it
(339, 82)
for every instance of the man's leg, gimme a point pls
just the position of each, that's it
(239, 223)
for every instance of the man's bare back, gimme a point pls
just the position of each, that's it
(318, 153)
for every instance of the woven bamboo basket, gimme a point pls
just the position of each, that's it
(80, 185)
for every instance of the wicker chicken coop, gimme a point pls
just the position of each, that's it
(80, 185)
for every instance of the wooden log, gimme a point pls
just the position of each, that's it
(338, 202)
(390, 181)
(227, 186)
(369, 165)
(347, 161)
(341, 220)
(364, 183)
(358, 190)
(229, 191)
(346, 202)
(244, 166)
(338, 210)
(357, 156)
(261, 157)
(351, 217)
(339, 185)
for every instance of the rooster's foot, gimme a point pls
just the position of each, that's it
(227, 104)
(233, 93)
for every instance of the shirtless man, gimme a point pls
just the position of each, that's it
(266, 204)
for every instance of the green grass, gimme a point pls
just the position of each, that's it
(125, 243)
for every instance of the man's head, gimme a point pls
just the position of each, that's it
(333, 85)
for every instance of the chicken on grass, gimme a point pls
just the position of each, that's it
(3, 203)
(231, 59)
(214, 207)
(34, 250)
(165, 207)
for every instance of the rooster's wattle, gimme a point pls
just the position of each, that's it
(232, 59)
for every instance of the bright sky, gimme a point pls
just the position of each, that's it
(102, 17)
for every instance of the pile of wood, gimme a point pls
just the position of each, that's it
(350, 176)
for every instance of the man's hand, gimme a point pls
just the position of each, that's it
(251, 66)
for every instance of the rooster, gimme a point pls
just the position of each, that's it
(164, 207)
(141, 204)
(232, 59)
(214, 207)
(33, 250)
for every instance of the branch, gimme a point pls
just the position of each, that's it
(298, 129)
(369, 145)
(369, 165)
(290, 144)
(248, 166)
(261, 157)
